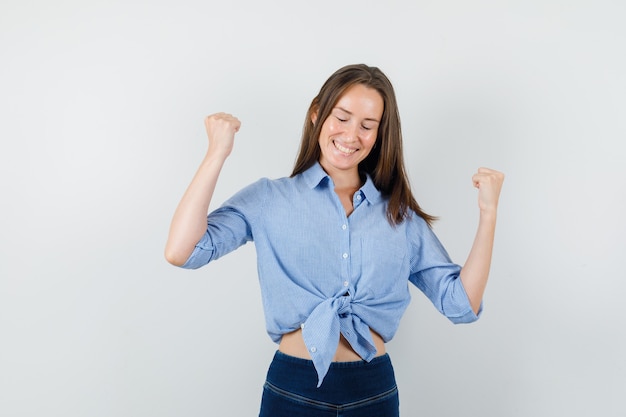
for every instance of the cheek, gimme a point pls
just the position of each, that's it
(371, 138)
(332, 127)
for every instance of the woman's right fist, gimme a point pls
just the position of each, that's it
(220, 130)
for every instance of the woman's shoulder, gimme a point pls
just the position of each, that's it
(267, 185)
(277, 182)
(415, 222)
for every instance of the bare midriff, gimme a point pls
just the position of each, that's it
(293, 344)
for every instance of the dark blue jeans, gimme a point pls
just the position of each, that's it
(350, 389)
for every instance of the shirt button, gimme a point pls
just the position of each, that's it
(344, 227)
(346, 283)
(358, 197)
(345, 256)
(313, 349)
(302, 326)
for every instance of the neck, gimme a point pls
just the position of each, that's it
(345, 179)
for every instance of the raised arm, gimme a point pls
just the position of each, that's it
(475, 272)
(189, 221)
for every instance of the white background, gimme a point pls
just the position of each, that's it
(101, 108)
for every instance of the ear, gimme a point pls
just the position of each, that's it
(314, 117)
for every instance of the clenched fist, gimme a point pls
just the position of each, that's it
(489, 183)
(220, 130)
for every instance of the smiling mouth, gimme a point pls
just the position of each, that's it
(344, 150)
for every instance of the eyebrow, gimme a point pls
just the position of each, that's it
(350, 113)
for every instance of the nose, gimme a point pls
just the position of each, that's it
(352, 132)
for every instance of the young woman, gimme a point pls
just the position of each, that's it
(336, 243)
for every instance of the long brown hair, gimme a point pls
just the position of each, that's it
(385, 163)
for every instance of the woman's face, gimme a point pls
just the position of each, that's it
(349, 133)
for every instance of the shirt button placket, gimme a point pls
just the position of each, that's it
(357, 199)
(345, 255)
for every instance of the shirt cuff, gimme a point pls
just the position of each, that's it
(468, 317)
(201, 255)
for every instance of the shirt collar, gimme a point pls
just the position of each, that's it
(370, 191)
(315, 175)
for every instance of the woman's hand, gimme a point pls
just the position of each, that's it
(220, 130)
(489, 183)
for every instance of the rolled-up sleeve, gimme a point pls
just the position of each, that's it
(228, 227)
(434, 273)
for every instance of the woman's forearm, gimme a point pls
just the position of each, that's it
(190, 218)
(475, 271)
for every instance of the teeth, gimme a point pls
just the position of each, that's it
(344, 150)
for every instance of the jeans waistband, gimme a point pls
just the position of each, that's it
(345, 382)
(295, 361)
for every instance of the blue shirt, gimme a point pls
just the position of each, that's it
(327, 273)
